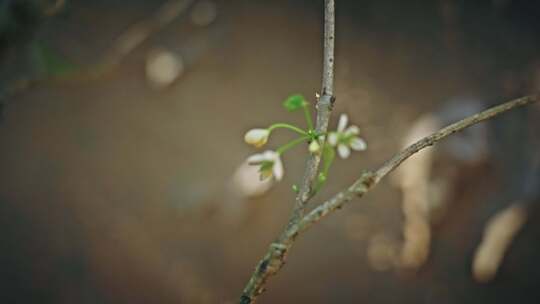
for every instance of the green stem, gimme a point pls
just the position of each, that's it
(307, 114)
(291, 144)
(286, 126)
(328, 161)
(327, 157)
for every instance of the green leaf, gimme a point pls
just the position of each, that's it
(295, 102)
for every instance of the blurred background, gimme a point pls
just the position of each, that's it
(121, 134)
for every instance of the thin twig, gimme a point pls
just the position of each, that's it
(276, 255)
(369, 179)
(324, 110)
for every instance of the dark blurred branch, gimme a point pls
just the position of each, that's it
(141, 31)
(276, 255)
(55, 7)
(124, 45)
(133, 37)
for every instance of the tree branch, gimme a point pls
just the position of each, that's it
(324, 110)
(275, 257)
(276, 254)
(369, 179)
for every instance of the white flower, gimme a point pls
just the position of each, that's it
(270, 164)
(346, 138)
(246, 183)
(257, 137)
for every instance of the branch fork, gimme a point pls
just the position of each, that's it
(299, 221)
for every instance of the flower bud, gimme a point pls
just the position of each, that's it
(314, 147)
(257, 137)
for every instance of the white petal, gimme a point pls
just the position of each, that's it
(255, 159)
(271, 155)
(352, 130)
(343, 120)
(246, 181)
(333, 139)
(258, 158)
(343, 151)
(278, 169)
(358, 144)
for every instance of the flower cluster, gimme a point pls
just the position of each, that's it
(344, 139)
